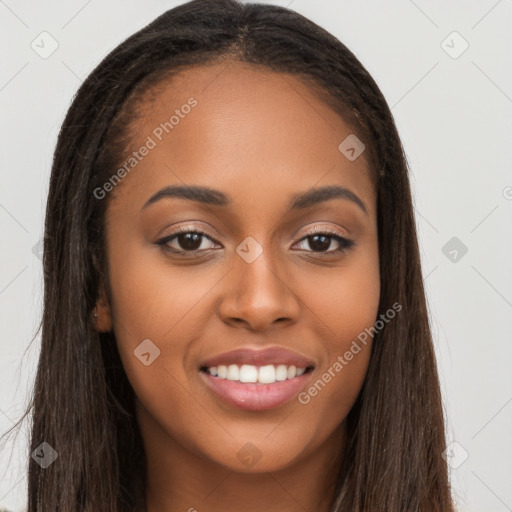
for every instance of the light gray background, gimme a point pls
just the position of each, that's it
(454, 117)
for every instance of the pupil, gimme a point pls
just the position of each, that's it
(191, 241)
(319, 247)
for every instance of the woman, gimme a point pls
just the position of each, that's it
(234, 308)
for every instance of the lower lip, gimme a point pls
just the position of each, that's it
(256, 397)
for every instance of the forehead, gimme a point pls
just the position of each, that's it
(255, 133)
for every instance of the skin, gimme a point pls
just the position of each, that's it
(260, 137)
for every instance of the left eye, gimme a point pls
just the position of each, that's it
(320, 241)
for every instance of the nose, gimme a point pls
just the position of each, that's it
(257, 295)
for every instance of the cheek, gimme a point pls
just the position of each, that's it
(155, 302)
(345, 308)
(345, 299)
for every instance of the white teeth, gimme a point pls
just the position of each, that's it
(248, 373)
(256, 374)
(233, 372)
(267, 374)
(281, 372)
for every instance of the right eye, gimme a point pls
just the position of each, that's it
(185, 240)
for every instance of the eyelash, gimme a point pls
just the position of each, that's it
(345, 243)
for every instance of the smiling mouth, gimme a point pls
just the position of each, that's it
(251, 374)
(256, 388)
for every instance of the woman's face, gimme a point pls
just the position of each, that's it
(246, 276)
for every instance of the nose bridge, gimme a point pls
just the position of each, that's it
(258, 293)
(261, 276)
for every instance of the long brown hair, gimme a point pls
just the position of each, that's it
(82, 403)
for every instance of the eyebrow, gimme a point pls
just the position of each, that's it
(214, 197)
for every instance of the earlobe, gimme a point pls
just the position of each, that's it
(101, 314)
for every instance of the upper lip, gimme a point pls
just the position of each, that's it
(274, 355)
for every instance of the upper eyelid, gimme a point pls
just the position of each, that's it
(325, 229)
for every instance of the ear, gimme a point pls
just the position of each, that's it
(101, 314)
